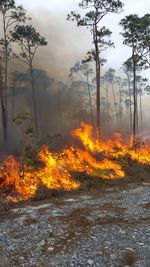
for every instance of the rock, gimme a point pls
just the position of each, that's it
(42, 243)
(11, 247)
(21, 259)
(50, 240)
(129, 249)
(90, 262)
(112, 256)
(122, 232)
(50, 249)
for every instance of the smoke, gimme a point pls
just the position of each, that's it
(65, 47)
(65, 43)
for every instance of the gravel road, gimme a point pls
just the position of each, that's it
(109, 227)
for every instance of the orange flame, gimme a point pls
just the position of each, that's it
(95, 157)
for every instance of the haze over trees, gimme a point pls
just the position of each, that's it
(28, 40)
(37, 108)
(11, 15)
(136, 34)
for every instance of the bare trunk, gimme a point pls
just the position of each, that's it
(97, 61)
(129, 87)
(141, 114)
(135, 126)
(108, 112)
(34, 101)
(82, 109)
(98, 98)
(90, 101)
(12, 113)
(6, 63)
(120, 109)
(115, 104)
(137, 117)
(127, 125)
(3, 111)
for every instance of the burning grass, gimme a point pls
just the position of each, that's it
(94, 157)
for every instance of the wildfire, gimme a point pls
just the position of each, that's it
(103, 159)
(53, 174)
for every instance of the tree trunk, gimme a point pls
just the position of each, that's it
(12, 112)
(90, 101)
(97, 61)
(6, 63)
(141, 114)
(129, 88)
(120, 109)
(135, 126)
(108, 112)
(34, 101)
(3, 111)
(115, 104)
(81, 106)
(126, 118)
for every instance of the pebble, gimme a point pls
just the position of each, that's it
(122, 232)
(129, 249)
(42, 243)
(112, 256)
(50, 249)
(90, 262)
(21, 259)
(87, 249)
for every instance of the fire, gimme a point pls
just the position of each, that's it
(53, 174)
(78, 160)
(12, 176)
(95, 157)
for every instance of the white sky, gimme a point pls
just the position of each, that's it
(79, 39)
(131, 6)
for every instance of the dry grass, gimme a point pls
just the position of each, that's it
(146, 206)
(30, 221)
(129, 258)
(118, 210)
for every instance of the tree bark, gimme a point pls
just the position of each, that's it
(120, 110)
(34, 100)
(108, 112)
(97, 61)
(129, 88)
(6, 63)
(135, 126)
(3, 111)
(90, 101)
(141, 114)
(115, 104)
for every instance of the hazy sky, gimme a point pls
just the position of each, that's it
(131, 6)
(74, 42)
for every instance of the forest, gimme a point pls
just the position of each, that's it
(97, 124)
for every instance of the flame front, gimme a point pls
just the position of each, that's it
(53, 174)
(95, 157)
